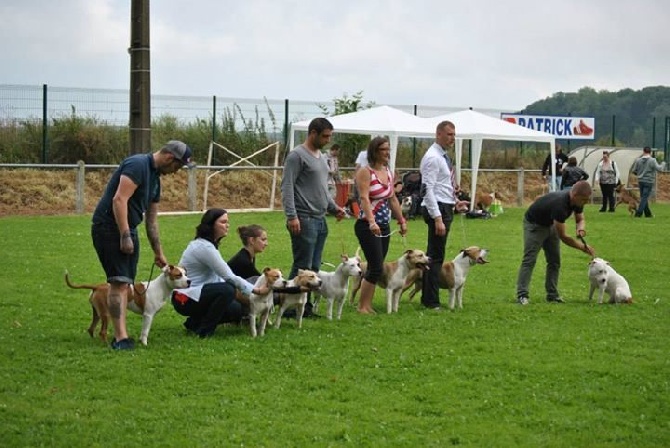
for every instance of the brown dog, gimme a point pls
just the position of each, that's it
(452, 275)
(143, 300)
(623, 195)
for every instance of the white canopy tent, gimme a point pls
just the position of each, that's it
(475, 126)
(381, 120)
(394, 123)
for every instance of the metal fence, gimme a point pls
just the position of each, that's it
(40, 105)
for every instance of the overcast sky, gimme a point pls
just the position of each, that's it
(454, 53)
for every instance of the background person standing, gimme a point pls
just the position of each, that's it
(558, 159)
(332, 159)
(607, 175)
(645, 169)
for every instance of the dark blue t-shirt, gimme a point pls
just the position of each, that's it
(554, 206)
(140, 168)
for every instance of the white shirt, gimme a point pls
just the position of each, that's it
(362, 159)
(436, 176)
(204, 265)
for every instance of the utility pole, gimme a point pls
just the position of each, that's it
(140, 79)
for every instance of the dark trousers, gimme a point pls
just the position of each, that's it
(217, 305)
(430, 294)
(608, 197)
(374, 248)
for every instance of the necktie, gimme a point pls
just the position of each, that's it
(451, 170)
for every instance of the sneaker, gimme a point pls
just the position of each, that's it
(123, 344)
(522, 300)
(555, 300)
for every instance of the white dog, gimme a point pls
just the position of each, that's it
(145, 298)
(452, 274)
(406, 206)
(604, 278)
(308, 281)
(261, 305)
(335, 285)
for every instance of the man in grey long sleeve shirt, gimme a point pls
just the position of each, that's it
(305, 197)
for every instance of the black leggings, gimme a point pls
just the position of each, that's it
(374, 248)
(217, 305)
(608, 196)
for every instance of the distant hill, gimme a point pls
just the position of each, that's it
(634, 112)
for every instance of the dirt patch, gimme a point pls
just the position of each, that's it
(54, 192)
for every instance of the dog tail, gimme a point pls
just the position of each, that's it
(73, 286)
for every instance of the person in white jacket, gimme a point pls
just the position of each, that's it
(607, 175)
(210, 300)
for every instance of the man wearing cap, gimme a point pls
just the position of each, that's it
(132, 192)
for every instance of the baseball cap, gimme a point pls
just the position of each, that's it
(181, 151)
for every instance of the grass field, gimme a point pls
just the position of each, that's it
(492, 374)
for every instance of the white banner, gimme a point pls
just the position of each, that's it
(569, 128)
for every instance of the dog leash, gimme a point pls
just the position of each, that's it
(151, 273)
(464, 236)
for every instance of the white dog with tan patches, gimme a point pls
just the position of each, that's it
(145, 298)
(260, 305)
(307, 281)
(394, 276)
(452, 275)
(605, 279)
(335, 285)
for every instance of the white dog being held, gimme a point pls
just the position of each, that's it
(604, 278)
(260, 305)
(335, 285)
(308, 281)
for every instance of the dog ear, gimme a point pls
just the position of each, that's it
(344, 257)
(266, 269)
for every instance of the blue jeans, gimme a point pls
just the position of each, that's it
(557, 186)
(308, 245)
(645, 192)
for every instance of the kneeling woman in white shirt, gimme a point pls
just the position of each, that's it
(210, 300)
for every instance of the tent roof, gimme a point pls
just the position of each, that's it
(381, 120)
(475, 125)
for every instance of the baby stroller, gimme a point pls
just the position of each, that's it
(411, 187)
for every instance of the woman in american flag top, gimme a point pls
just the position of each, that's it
(376, 200)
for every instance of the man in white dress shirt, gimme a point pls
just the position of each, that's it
(438, 189)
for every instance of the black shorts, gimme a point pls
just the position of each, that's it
(119, 267)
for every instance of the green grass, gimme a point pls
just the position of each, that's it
(492, 374)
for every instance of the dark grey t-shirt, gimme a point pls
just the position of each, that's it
(140, 168)
(554, 206)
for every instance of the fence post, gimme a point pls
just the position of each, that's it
(214, 118)
(81, 179)
(519, 187)
(44, 124)
(192, 188)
